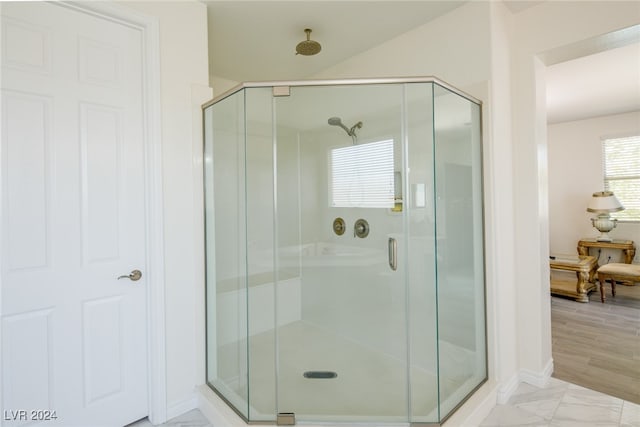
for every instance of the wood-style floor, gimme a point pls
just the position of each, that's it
(597, 345)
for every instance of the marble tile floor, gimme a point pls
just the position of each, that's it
(193, 418)
(560, 404)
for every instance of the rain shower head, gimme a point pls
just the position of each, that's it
(337, 121)
(308, 47)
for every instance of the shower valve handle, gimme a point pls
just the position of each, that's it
(361, 228)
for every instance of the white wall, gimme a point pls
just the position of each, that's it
(220, 85)
(494, 55)
(565, 23)
(453, 47)
(575, 171)
(184, 74)
(502, 330)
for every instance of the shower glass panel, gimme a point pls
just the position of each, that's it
(459, 231)
(379, 319)
(352, 304)
(421, 253)
(226, 249)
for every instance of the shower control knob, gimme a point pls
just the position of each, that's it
(361, 228)
(339, 226)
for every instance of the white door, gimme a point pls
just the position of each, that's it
(74, 337)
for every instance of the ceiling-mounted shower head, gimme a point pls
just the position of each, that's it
(308, 47)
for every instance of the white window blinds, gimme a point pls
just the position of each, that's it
(621, 158)
(362, 175)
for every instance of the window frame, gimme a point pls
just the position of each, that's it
(622, 216)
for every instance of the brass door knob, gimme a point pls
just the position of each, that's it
(134, 276)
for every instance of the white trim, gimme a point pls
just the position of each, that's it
(199, 94)
(185, 405)
(2, 235)
(507, 389)
(156, 336)
(538, 379)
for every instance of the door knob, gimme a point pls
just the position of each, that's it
(135, 275)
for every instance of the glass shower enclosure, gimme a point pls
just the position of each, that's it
(344, 250)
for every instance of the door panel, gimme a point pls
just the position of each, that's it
(27, 136)
(27, 359)
(74, 336)
(102, 347)
(100, 146)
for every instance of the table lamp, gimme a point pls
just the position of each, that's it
(603, 203)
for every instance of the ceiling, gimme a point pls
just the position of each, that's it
(596, 85)
(256, 40)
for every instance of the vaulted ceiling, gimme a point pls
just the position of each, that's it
(595, 85)
(256, 40)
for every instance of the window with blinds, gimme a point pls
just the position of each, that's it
(621, 165)
(362, 175)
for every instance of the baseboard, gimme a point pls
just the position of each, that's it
(178, 408)
(507, 389)
(538, 379)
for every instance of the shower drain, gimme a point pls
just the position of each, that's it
(320, 375)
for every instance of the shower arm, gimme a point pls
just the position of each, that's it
(352, 131)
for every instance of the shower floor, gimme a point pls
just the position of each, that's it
(370, 385)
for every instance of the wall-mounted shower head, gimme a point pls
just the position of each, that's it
(337, 121)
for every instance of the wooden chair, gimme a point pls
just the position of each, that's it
(613, 272)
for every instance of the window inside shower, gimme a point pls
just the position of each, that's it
(362, 175)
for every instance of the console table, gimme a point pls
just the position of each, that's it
(626, 246)
(585, 267)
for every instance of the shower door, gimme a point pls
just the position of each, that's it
(341, 254)
(345, 278)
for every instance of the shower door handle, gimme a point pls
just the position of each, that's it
(393, 253)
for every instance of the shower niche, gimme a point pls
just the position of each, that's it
(315, 325)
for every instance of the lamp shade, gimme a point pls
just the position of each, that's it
(604, 202)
